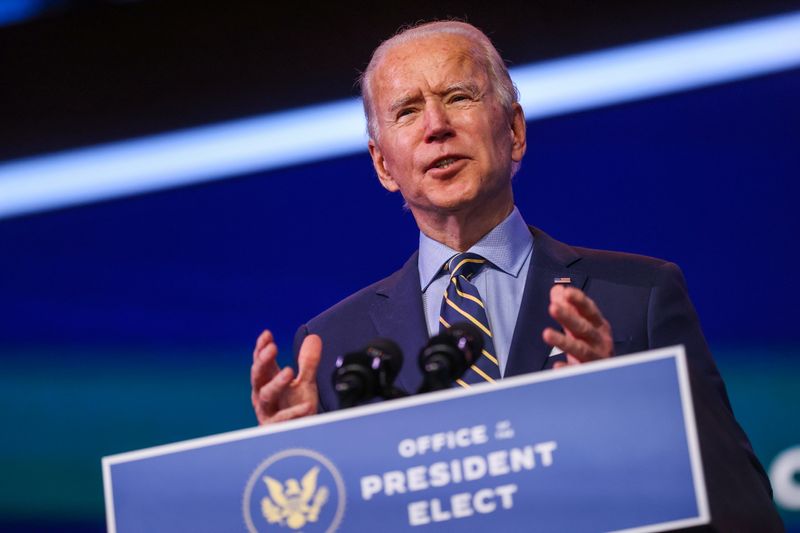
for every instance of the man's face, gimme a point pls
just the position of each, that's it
(444, 140)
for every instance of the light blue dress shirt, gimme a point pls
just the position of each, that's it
(508, 247)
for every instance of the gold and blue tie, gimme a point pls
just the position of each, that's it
(463, 303)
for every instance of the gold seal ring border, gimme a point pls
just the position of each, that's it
(294, 452)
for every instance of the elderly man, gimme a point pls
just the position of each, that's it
(446, 131)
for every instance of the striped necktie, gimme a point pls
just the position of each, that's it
(463, 303)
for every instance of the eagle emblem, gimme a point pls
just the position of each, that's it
(294, 503)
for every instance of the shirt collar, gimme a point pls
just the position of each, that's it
(506, 247)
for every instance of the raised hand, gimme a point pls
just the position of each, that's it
(278, 395)
(587, 334)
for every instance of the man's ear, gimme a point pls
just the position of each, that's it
(379, 163)
(518, 133)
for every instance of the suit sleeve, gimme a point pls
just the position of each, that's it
(739, 493)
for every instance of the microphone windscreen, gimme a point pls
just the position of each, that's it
(389, 352)
(469, 339)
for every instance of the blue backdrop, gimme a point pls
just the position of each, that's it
(130, 323)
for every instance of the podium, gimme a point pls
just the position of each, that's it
(604, 446)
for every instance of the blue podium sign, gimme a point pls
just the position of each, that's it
(605, 446)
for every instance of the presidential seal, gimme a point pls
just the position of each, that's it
(293, 490)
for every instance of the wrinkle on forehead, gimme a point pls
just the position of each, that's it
(440, 67)
(469, 86)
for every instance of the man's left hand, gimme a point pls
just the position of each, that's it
(587, 334)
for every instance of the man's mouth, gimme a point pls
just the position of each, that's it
(444, 162)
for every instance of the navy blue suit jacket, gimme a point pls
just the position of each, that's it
(648, 306)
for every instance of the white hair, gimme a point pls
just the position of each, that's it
(483, 52)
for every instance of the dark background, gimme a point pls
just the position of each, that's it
(90, 71)
(130, 323)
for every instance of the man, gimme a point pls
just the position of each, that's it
(446, 131)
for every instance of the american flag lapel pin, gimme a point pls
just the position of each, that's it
(562, 281)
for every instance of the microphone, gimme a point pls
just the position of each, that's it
(370, 372)
(448, 355)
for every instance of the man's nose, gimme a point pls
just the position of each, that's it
(437, 123)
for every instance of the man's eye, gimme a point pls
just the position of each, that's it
(459, 98)
(404, 112)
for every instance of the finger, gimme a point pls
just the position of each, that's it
(557, 293)
(576, 347)
(262, 340)
(308, 359)
(265, 366)
(560, 300)
(585, 306)
(270, 394)
(572, 321)
(296, 411)
(571, 361)
(258, 407)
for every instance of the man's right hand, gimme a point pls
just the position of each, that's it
(278, 395)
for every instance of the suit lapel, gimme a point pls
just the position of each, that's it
(551, 259)
(398, 315)
(397, 311)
